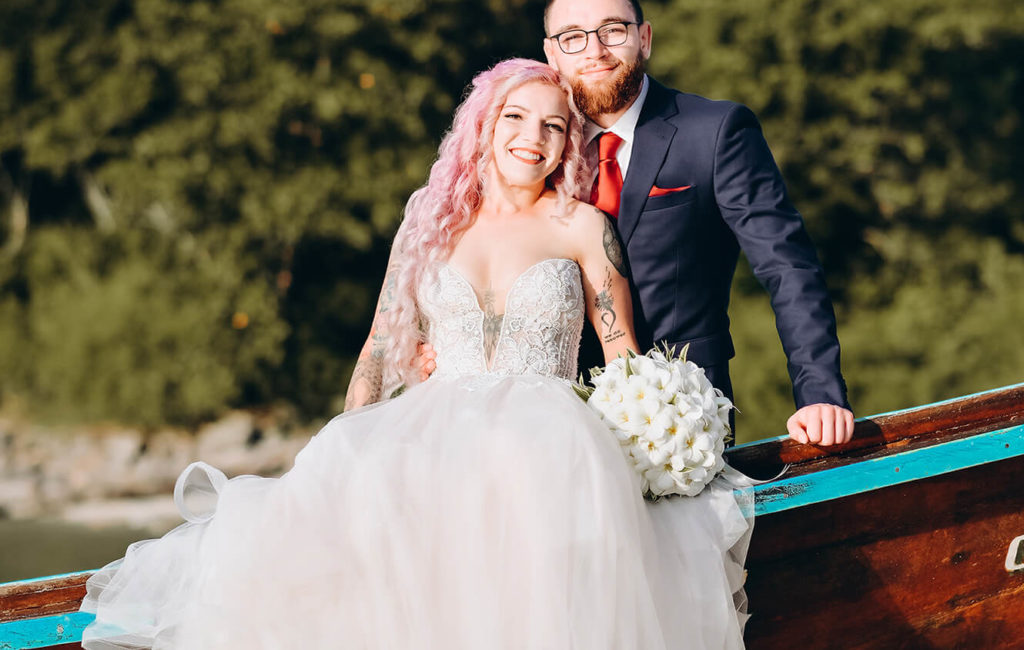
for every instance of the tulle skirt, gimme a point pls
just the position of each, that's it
(482, 512)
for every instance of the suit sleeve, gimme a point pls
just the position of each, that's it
(752, 199)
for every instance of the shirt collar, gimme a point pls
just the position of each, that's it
(625, 126)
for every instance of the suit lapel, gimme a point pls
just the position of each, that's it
(651, 141)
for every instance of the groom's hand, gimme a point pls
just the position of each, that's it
(821, 424)
(425, 358)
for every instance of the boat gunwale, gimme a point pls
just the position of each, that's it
(886, 470)
(885, 434)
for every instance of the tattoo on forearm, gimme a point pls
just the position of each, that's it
(612, 248)
(387, 296)
(492, 326)
(367, 384)
(605, 304)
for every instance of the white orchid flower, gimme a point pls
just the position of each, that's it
(661, 481)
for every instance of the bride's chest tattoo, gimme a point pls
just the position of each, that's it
(491, 325)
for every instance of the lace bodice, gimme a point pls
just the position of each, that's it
(540, 331)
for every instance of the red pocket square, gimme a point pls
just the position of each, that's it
(662, 191)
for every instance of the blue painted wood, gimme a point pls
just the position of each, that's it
(877, 473)
(43, 632)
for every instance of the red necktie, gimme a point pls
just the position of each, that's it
(608, 186)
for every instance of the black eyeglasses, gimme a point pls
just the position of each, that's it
(574, 41)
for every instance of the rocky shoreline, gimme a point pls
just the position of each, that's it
(120, 476)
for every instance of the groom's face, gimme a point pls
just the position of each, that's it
(604, 79)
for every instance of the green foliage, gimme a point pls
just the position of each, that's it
(187, 162)
(170, 172)
(952, 324)
(947, 322)
(147, 334)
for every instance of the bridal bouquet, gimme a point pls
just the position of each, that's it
(671, 422)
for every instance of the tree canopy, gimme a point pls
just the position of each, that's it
(197, 198)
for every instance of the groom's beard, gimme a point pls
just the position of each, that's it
(612, 95)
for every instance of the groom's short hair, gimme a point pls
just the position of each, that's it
(637, 10)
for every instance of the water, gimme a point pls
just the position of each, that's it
(34, 548)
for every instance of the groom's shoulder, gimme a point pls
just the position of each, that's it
(692, 108)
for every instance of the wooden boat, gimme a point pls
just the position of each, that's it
(910, 536)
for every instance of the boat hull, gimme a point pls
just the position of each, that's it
(914, 565)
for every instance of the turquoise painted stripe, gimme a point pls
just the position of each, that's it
(43, 632)
(882, 415)
(864, 476)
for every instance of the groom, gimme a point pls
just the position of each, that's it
(689, 183)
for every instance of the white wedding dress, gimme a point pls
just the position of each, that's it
(484, 508)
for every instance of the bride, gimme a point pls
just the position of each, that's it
(486, 507)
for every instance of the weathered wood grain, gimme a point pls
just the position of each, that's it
(60, 595)
(886, 434)
(917, 565)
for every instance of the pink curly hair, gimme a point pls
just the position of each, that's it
(447, 205)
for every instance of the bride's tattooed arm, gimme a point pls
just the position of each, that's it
(609, 303)
(613, 249)
(367, 383)
(605, 304)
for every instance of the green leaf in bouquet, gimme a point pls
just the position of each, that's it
(684, 352)
(668, 350)
(672, 355)
(583, 391)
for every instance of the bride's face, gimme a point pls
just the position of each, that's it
(530, 133)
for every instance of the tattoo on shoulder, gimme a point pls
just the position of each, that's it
(560, 219)
(613, 249)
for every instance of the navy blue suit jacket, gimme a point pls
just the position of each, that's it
(683, 246)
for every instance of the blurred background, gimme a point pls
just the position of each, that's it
(197, 198)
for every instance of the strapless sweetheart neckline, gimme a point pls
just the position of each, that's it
(538, 331)
(462, 280)
(461, 276)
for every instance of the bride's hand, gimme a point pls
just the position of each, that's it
(426, 357)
